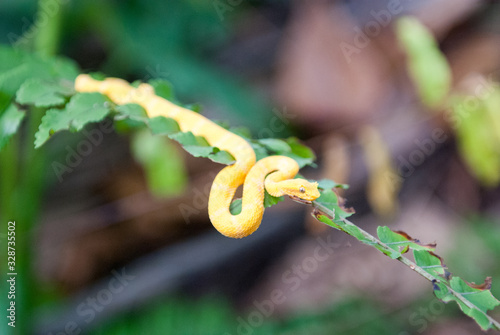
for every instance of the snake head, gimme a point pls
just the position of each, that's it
(301, 190)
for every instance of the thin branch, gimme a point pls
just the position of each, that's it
(372, 240)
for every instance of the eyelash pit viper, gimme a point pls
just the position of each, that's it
(275, 173)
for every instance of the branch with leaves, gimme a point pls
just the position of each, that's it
(474, 300)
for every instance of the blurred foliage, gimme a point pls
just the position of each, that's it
(427, 66)
(475, 117)
(176, 39)
(162, 163)
(478, 134)
(213, 315)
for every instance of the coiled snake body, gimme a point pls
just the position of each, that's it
(275, 173)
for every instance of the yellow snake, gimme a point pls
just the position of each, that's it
(275, 173)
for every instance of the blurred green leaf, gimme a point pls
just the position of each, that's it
(163, 164)
(400, 241)
(300, 152)
(327, 184)
(131, 111)
(275, 145)
(478, 135)
(199, 147)
(290, 147)
(479, 300)
(430, 262)
(163, 126)
(269, 200)
(81, 109)
(10, 121)
(334, 203)
(16, 66)
(235, 207)
(163, 89)
(339, 224)
(427, 66)
(97, 76)
(44, 93)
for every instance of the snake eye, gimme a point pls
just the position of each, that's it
(302, 189)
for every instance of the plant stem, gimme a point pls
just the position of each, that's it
(47, 37)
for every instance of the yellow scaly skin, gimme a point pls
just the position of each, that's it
(279, 169)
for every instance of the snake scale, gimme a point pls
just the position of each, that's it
(275, 173)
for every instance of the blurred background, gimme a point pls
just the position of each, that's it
(120, 246)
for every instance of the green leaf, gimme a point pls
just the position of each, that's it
(163, 164)
(10, 58)
(131, 111)
(478, 135)
(334, 203)
(163, 89)
(291, 147)
(270, 200)
(275, 145)
(97, 76)
(400, 241)
(199, 147)
(196, 107)
(327, 184)
(163, 126)
(301, 153)
(430, 262)
(44, 93)
(242, 132)
(479, 300)
(356, 232)
(11, 80)
(341, 225)
(235, 207)
(10, 121)
(427, 66)
(82, 109)
(18, 66)
(130, 116)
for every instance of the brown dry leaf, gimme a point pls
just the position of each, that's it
(383, 187)
(484, 286)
